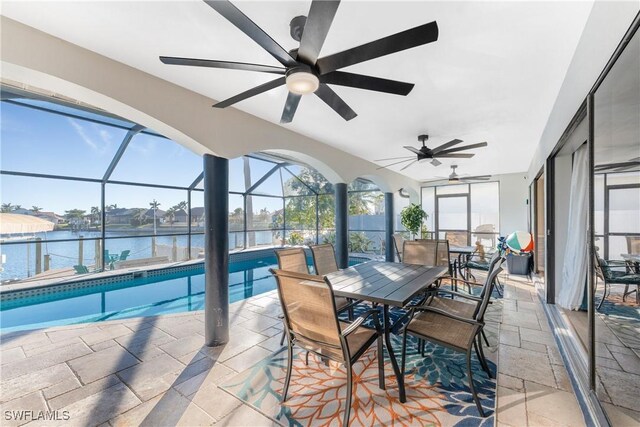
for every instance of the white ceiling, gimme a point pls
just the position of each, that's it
(492, 76)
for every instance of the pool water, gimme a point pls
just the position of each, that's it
(173, 292)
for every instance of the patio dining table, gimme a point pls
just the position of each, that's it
(388, 284)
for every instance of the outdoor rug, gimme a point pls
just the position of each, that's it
(436, 388)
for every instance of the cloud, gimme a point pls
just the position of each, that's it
(83, 135)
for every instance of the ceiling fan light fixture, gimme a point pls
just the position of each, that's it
(302, 82)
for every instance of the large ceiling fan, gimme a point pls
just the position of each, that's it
(425, 153)
(303, 72)
(454, 178)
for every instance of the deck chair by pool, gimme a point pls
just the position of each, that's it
(311, 323)
(81, 269)
(455, 327)
(124, 255)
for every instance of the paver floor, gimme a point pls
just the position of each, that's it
(157, 371)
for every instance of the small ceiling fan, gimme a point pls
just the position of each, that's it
(455, 178)
(425, 153)
(303, 72)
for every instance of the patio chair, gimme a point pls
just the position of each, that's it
(398, 242)
(457, 238)
(486, 232)
(454, 326)
(633, 244)
(482, 261)
(295, 260)
(616, 273)
(311, 323)
(124, 255)
(81, 269)
(324, 259)
(421, 252)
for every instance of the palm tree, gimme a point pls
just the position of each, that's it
(75, 214)
(171, 215)
(154, 205)
(140, 216)
(6, 207)
(35, 209)
(95, 214)
(181, 205)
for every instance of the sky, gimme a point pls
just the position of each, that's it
(46, 143)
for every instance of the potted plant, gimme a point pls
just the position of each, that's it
(412, 218)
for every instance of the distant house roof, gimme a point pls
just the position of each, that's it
(197, 212)
(159, 213)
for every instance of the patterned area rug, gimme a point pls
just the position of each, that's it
(436, 388)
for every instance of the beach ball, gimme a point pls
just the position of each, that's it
(520, 241)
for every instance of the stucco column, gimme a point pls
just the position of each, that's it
(216, 241)
(389, 255)
(342, 225)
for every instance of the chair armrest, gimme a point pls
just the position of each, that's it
(471, 282)
(445, 291)
(449, 315)
(360, 320)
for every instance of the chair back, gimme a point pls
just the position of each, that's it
(421, 252)
(324, 259)
(457, 238)
(633, 245)
(81, 269)
(398, 243)
(495, 268)
(293, 259)
(309, 312)
(443, 258)
(124, 255)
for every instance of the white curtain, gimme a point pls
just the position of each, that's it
(574, 270)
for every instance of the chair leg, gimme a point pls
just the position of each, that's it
(347, 409)
(350, 313)
(471, 386)
(306, 359)
(485, 338)
(423, 348)
(483, 360)
(284, 335)
(624, 294)
(403, 357)
(604, 295)
(289, 369)
(381, 383)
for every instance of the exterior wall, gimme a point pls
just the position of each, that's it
(514, 195)
(607, 24)
(37, 59)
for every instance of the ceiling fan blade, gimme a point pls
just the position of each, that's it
(476, 178)
(412, 149)
(251, 92)
(290, 107)
(394, 158)
(367, 82)
(417, 36)
(446, 145)
(172, 60)
(332, 99)
(395, 163)
(464, 147)
(408, 165)
(316, 28)
(455, 156)
(436, 162)
(250, 28)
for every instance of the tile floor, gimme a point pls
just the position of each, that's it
(156, 370)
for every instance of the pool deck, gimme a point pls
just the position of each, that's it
(157, 371)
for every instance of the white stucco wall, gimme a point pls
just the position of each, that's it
(605, 28)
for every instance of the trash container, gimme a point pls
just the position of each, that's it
(519, 263)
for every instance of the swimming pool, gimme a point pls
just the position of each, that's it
(168, 291)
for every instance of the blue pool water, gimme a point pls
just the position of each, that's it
(172, 292)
